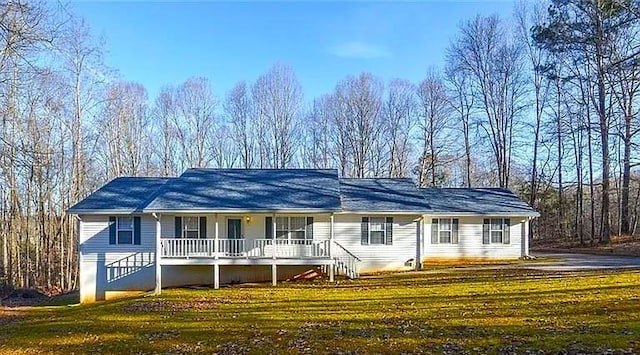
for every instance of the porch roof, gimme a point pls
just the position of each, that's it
(250, 190)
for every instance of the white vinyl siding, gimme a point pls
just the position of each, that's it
(378, 257)
(105, 267)
(470, 240)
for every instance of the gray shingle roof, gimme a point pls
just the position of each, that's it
(124, 194)
(381, 195)
(484, 201)
(292, 190)
(250, 190)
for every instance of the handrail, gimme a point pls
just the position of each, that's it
(244, 248)
(346, 251)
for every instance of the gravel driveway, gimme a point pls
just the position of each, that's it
(577, 262)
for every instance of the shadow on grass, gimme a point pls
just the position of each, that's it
(65, 299)
(512, 312)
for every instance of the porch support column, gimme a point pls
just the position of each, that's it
(216, 246)
(216, 252)
(274, 274)
(419, 234)
(158, 288)
(526, 236)
(273, 230)
(332, 266)
(216, 275)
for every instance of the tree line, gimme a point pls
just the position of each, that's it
(543, 102)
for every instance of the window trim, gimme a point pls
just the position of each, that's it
(453, 222)
(288, 231)
(488, 230)
(120, 228)
(501, 230)
(184, 226)
(441, 230)
(385, 229)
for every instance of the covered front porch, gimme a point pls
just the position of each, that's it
(274, 239)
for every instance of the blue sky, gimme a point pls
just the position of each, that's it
(160, 43)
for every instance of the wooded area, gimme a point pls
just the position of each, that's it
(544, 103)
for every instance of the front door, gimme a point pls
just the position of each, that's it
(234, 233)
(234, 226)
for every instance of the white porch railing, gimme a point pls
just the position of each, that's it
(244, 248)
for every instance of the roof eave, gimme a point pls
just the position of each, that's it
(101, 211)
(205, 210)
(484, 214)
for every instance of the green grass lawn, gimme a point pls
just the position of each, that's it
(486, 311)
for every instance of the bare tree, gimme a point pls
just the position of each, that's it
(126, 143)
(359, 118)
(434, 113)
(493, 58)
(400, 117)
(278, 98)
(318, 147)
(240, 112)
(461, 101)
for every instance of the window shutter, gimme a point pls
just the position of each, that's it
(364, 231)
(454, 231)
(434, 231)
(389, 231)
(136, 231)
(309, 233)
(506, 238)
(112, 230)
(485, 231)
(203, 227)
(268, 227)
(178, 229)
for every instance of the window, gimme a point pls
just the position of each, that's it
(191, 227)
(496, 231)
(377, 231)
(297, 227)
(124, 230)
(444, 231)
(282, 227)
(294, 227)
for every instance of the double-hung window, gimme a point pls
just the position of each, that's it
(444, 231)
(496, 231)
(124, 230)
(376, 231)
(298, 227)
(191, 227)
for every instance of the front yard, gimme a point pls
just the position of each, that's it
(453, 311)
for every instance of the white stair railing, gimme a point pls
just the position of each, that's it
(346, 263)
